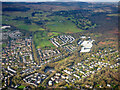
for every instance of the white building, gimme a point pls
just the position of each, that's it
(50, 83)
(4, 27)
(11, 69)
(87, 45)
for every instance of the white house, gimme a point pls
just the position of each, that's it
(50, 83)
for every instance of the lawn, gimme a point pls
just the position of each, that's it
(63, 26)
(41, 39)
(45, 43)
(97, 35)
(21, 87)
(53, 34)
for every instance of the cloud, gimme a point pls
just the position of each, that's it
(26, 0)
(98, 0)
(62, 0)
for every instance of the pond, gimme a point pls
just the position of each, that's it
(50, 69)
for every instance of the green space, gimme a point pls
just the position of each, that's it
(77, 18)
(21, 87)
(21, 25)
(4, 45)
(42, 39)
(98, 35)
(63, 26)
(22, 14)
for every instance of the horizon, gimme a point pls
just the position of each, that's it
(32, 1)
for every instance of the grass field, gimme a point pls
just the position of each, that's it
(22, 14)
(21, 24)
(21, 87)
(61, 25)
(56, 25)
(41, 39)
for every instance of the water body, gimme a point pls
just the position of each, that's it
(50, 69)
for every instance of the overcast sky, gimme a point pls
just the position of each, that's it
(61, 0)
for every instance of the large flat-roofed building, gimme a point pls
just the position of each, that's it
(87, 45)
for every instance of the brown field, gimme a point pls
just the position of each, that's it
(105, 43)
(69, 32)
(115, 31)
(112, 38)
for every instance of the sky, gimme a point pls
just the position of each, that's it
(61, 0)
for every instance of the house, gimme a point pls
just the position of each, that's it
(66, 77)
(11, 69)
(108, 85)
(38, 82)
(68, 72)
(31, 58)
(76, 76)
(63, 77)
(4, 27)
(52, 79)
(57, 74)
(83, 37)
(56, 77)
(56, 81)
(50, 83)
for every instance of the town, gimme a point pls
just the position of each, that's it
(18, 56)
(68, 45)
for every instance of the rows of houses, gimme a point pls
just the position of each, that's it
(17, 54)
(12, 34)
(15, 34)
(70, 48)
(57, 78)
(46, 54)
(35, 78)
(18, 51)
(85, 68)
(9, 70)
(62, 40)
(91, 68)
(66, 39)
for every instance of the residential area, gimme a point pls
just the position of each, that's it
(68, 45)
(18, 57)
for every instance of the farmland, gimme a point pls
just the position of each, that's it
(63, 26)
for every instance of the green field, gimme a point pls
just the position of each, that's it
(41, 39)
(54, 26)
(61, 25)
(21, 24)
(21, 87)
(55, 23)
